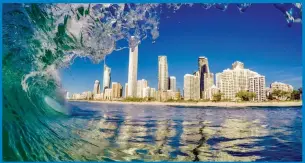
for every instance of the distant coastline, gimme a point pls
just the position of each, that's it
(198, 104)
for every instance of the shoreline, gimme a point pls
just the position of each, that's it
(201, 104)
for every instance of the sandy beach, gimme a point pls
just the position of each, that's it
(198, 104)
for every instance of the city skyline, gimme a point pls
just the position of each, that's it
(213, 82)
(264, 51)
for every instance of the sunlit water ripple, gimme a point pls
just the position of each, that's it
(113, 132)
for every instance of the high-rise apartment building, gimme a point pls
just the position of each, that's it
(191, 87)
(172, 83)
(257, 85)
(153, 92)
(196, 86)
(141, 84)
(163, 73)
(208, 79)
(187, 86)
(107, 76)
(126, 90)
(108, 94)
(231, 81)
(281, 86)
(203, 68)
(146, 92)
(116, 90)
(96, 87)
(133, 68)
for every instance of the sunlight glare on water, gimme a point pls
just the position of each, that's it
(149, 133)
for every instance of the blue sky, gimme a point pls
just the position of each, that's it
(260, 38)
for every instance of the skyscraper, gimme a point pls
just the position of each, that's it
(203, 68)
(126, 90)
(196, 86)
(116, 90)
(107, 74)
(132, 68)
(257, 85)
(172, 83)
(67, 95)
(208, 80)
(163, 73)
(191, 87)
(96, 87)
(141, 84)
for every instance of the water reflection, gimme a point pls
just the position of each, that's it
(138, 133)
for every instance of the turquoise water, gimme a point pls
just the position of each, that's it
(39, 125)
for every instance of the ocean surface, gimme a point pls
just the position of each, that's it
(163, 133)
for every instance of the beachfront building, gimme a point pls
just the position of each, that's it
(116, 90)
(172, 83)
(108, 94)
(208, 94)
(281, 86)
(153, 92)
(149, 92)
(132, 68)
(203, 68)
(191, 87)
(257, 85)
(106, 76)
(146, 92)
(167, 95)
(196, 85)
(98, 96)
(162, 73)
(206, 78)
(162, 96)
(208, 83)
(231, 81)
(141, 84)
(75, 96)
(96, 87)
(126, 90)
(87, 95)
(173, 95)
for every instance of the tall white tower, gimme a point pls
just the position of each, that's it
(96, 88)
(172, 83)
(107, 78)
(132, 68)
(163, 74)
(68, 96)
(257, 84)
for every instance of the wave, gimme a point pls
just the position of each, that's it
(39, 39)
